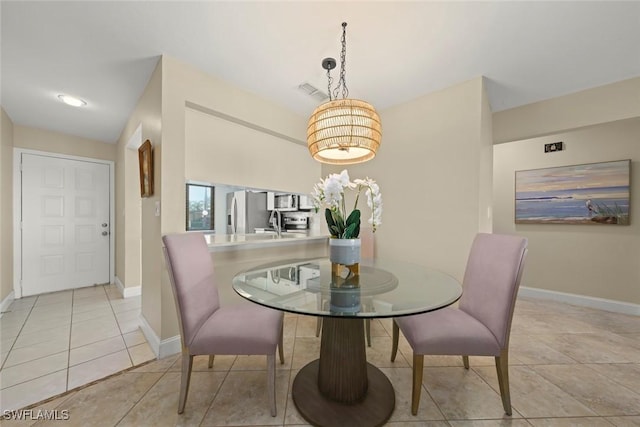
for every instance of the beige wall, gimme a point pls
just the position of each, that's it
(590, 260)
(433, 169)
(6, 205)
(221, 151)
(55, 142)
(586, 260)
(186, 87)
(616, 101)
(135, 215)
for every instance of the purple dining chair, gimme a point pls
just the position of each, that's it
(481, 324)
(206, 328)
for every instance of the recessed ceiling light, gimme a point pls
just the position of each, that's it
(71, 100)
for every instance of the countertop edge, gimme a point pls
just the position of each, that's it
(267, 243)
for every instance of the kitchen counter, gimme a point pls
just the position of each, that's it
(225, 242)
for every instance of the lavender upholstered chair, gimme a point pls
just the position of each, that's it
(482, 323)
(208, 329)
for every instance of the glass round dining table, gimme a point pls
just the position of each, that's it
(340, 388)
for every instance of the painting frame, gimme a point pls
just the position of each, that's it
(588, 193)
(145, 160)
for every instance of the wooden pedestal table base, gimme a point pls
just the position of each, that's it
(341, 388)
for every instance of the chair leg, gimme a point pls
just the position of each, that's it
(187, 363)
(465, 362)
(318, 325)
(211, 356)
(367, 328)
(502, 367)
(394, 345)
(271, 372)
(281, 345)
(418, 363)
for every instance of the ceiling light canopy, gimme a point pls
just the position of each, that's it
(343, 131)
(72, 100)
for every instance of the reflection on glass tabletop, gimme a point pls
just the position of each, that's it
(383, 288)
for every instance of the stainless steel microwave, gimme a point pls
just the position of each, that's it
(285, 202)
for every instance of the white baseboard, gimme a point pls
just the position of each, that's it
(170, 346)
(4, 306)
(162, 348)
(129, 291)
(132, 291)
(152, 339)
(581, 300)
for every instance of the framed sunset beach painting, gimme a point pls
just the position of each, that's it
(594, 193)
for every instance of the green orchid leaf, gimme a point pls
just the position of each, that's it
(354, 217)
(329, 217)
(349, 231)
(338, 221)
(337, 218)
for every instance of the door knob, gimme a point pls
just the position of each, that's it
(104, 224)
(104, 233)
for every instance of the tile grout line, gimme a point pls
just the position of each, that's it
(120, 329)
(513, 407)
(71, 332)
(142, 396)
(66, 386)
(19, 333)
(69, 393)
(68, 349)
(561, 388)
(204, 414)
(476, 368)
(94, 342)
(633, 392)
(574, 397)
(33, 379)
(33, 360)
(432, 399)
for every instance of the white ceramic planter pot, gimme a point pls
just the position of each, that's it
(344, 251)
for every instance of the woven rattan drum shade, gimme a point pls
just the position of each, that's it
(344, 131)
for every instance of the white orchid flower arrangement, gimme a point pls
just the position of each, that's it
(330, 193)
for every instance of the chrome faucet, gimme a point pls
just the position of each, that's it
(276, 220)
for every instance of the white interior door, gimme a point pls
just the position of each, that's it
(65, 223)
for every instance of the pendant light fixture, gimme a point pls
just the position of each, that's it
(343, 131)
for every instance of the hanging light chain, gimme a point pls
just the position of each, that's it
(342, 82)
(330, 81)
(344, 132)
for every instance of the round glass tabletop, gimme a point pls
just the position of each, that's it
(383, 288)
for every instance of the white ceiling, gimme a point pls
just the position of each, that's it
(105, 52)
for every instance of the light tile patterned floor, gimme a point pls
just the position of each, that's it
(570, 366)
(55, 342)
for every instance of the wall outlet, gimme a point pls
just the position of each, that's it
(554, 146)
